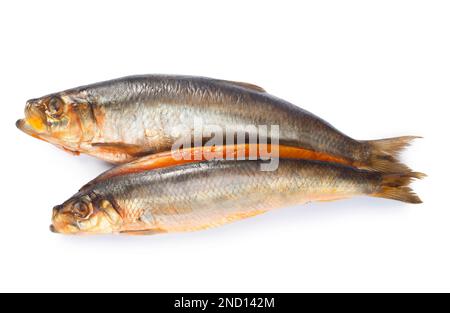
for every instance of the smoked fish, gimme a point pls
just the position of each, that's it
(124, 119)
(147, 197)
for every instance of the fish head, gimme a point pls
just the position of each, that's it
(64, 119)
(86, 214)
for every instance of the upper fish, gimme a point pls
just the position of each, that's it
(123, 119)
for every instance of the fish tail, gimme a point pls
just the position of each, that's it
(396, 187)
(384, 154)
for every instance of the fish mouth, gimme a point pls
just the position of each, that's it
(27, 129)
(53, 229)
(21, 124)
(61, 226)
(65, 230)
(24, 126)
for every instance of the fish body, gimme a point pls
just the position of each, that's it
(124, 119)
(200, 195)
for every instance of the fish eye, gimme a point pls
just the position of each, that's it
(55, 107)
(81, 210)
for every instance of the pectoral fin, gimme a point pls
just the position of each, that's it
(118, 147)
(144, 232)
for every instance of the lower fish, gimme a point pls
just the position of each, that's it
(201, 195)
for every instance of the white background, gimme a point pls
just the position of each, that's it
(373, 69)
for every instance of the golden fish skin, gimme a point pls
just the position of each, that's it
(201, 195)
(123, 119)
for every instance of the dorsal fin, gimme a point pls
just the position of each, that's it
(199, 154)
(245, 85)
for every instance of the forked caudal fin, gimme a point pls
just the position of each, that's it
(385, 152)
(396, 187)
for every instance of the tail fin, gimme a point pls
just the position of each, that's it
(385, 152)
(396, 187)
